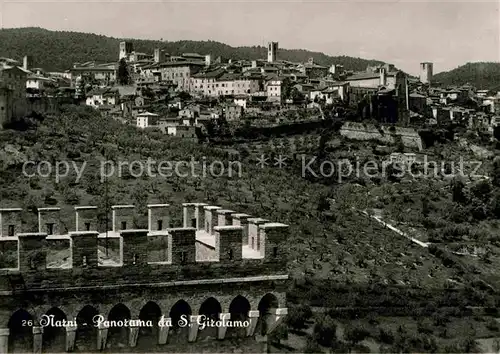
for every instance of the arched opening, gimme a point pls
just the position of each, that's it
(148, 333)
(238, 309)
(54, 334)
(266, 306)
(118, 333)
(86, 332)
(180, 315)
(210, 309)
(21, 332)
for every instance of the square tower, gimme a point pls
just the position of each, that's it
(426, 72)
(272, 50)
(27, 62)
(159, 55)
(125, 49)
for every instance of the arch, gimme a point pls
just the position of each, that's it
(54, 333)
(265, 307)
(210, 309)
(149, 315)
(21, 333)
(118, 335)
(68, 309)
(181, 311)
(238, 309)
(268, 302)
(210, 306)
(86, 332)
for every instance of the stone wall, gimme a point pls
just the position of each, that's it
(384, 134)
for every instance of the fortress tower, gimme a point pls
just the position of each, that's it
(426, 72)
(272, 51)
(27, 62)
(125, 49)
(218, 265)
(159, 55)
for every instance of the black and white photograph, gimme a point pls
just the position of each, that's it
(219, 176)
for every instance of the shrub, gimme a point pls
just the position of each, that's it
(356, 334)
(325, 331)
(385, 336)
(297, 317)
(312, 346)
(492, 325)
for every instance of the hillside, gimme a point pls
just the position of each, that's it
(316, 246)
(338, 258)
(484, 75)
(58, 50)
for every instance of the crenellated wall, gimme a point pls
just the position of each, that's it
(209, 260)
(237, 244)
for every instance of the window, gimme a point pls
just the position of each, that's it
(87, 226)
(159, 223)
(275, 252)
(11, 230)
(50, 228)
(183, 257)
(124, 225)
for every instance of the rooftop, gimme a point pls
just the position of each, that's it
(209, 74)
(192, 55)
(367, 75)
(182, 63)
(147, 114)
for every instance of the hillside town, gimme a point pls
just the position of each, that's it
(182, 95)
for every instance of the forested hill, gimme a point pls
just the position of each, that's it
(58, 50)
(482, 75)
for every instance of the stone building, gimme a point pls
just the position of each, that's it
(179, 72)
(12, 93)
(218, 265)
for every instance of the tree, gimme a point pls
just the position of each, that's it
(457, 188)
(356, 335)
(279, 333)
(184, 96)
(312, 346)
(469, 345)
(496, 133)
(297, 317)
(496, 346)
(325, 331)
(123, 75)
(495, 174)
(425, 206)
(149, 93)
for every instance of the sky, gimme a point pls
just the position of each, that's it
(447, 33)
